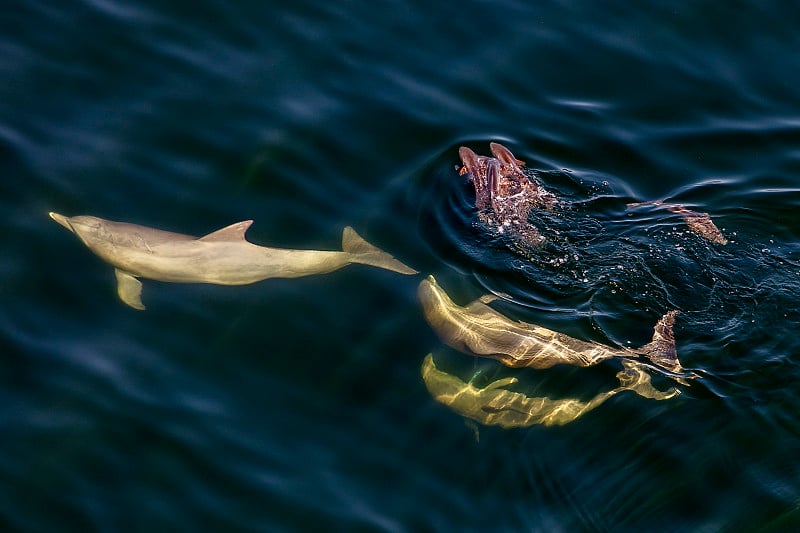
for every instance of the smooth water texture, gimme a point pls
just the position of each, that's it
(296, 404)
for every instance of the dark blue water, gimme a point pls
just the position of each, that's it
(298, 404)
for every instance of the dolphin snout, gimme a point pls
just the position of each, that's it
(61, 219)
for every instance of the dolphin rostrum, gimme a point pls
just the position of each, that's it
(494, 404)
(479, 330)
(222, 257)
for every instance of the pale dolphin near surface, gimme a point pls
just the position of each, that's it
(222, 257)
(477, 329)
(495, 405)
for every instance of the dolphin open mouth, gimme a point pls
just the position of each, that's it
(61, 219)
(505, 194)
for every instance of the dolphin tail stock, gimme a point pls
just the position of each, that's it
(365, 253)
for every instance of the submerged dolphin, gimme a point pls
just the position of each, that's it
(477, 329)
(697, 222)
(494, 404)
(223, 257)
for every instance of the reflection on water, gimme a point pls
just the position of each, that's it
(493, 404)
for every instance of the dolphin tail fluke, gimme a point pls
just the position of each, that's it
(367, 254)
(633, 377)
(661, 350)
(129, 289)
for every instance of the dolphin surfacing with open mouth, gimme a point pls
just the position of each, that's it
(505, 194)
(223, 257)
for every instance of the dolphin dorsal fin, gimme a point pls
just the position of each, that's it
(661, 350)
(234, 232)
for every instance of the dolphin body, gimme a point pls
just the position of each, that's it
(495, 405)
(222, 257)
(479, 330)
(697, 222)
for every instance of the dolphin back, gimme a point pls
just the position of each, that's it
(366, 254)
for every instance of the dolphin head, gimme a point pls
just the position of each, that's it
(429, 291)
(82, 226)
(498, 177)
(437, 306)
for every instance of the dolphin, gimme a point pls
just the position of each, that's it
(223, 257)
(479, 330)
(697, 222)
(504, 193)
(494, 404)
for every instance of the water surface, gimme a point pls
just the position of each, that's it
(293, 404)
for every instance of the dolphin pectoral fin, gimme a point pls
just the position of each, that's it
(488, 298)
(492, 297)
(500, 384)
(661, 350)
(129, 289)
(234, 232)
(367, 254)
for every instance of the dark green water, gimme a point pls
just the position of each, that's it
(295, 405)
